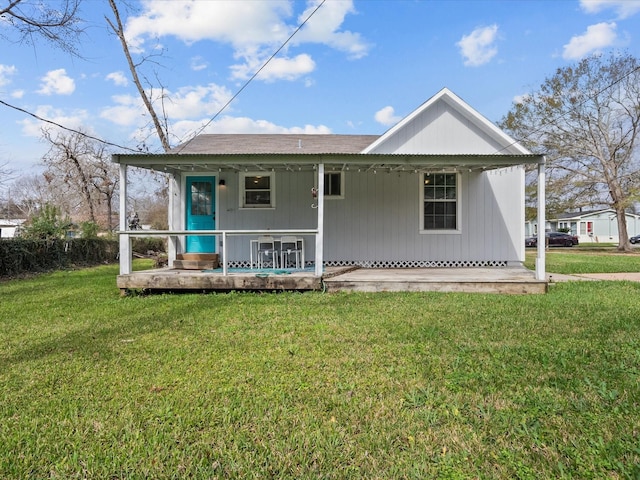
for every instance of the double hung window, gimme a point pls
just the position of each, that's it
(440, 202)
(257, 190)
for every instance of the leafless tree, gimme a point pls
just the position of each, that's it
(56, 21)
(6, 173)
(30, 193)
(81, 168)
(586, 119)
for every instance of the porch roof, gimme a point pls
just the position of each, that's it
(226, 162)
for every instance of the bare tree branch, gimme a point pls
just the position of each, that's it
(58, 23)
(118, 29)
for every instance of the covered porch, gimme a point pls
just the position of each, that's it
(318, 274)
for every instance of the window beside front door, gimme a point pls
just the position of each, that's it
(334, 185)
(440, 202)
(257, 190)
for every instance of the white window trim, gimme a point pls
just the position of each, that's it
(272, 191)
(336, 197)
(421, 228)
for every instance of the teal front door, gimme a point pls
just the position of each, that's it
(201, 213)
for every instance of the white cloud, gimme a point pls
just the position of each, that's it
(229, 124)
(125, 112)
(595, 38)
(57, 82)
(623, 8)
(518, 99)
(324, 27)
(75, 119)
(254, 29)
(186, 102)
(118, 78)
(198, 63)
(228, 21)
(6, 71)
(386, 116)
(277, 69)
(17, 94)
(189, 102)
(478, 47)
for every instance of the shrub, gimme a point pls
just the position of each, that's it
(47, 224)
(89, 229)
(144, 245)
(22, 255)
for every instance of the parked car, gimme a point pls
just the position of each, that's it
(531, 242)
(554, 239)
(635, 239)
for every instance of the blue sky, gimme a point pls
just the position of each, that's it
(356, 67)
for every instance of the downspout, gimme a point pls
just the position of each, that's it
(320, 235)
(542, 221)
(124, 240)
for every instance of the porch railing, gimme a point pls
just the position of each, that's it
(126, 237)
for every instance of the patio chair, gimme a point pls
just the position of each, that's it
(267, 252)
(288, 247)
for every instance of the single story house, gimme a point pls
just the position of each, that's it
(444, 187)
(595, 226)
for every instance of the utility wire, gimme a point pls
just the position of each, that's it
(84, 134)
(246, 84)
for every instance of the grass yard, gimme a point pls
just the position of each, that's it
(376, 386)
(586, 259)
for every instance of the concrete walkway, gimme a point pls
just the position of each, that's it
(558, 277)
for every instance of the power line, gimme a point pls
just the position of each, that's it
(84, 134)
(246, 84)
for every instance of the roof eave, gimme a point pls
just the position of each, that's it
(228, 162)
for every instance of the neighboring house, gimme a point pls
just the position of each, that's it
(9, 227)
(442, 188)
(595, 226)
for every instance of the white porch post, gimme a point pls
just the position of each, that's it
(225, 267)
(542, 221)
(125, 240)
(320, 234)
(172, 244)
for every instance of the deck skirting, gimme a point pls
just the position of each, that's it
(511, 280)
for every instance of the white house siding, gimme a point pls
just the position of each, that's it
(491, 215)
(440, 130)
(293, 211)
(378, 222)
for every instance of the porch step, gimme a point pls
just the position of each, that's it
(196, 261)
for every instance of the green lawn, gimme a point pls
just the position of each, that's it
(376, 386)
(587, 259)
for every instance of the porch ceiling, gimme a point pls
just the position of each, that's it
(173, 164)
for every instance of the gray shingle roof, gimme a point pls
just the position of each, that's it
(277, 143)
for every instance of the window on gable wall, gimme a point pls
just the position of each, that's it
(257, 190)
(334, 185)
(440, 201)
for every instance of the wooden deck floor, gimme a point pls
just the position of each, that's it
(510, 280)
